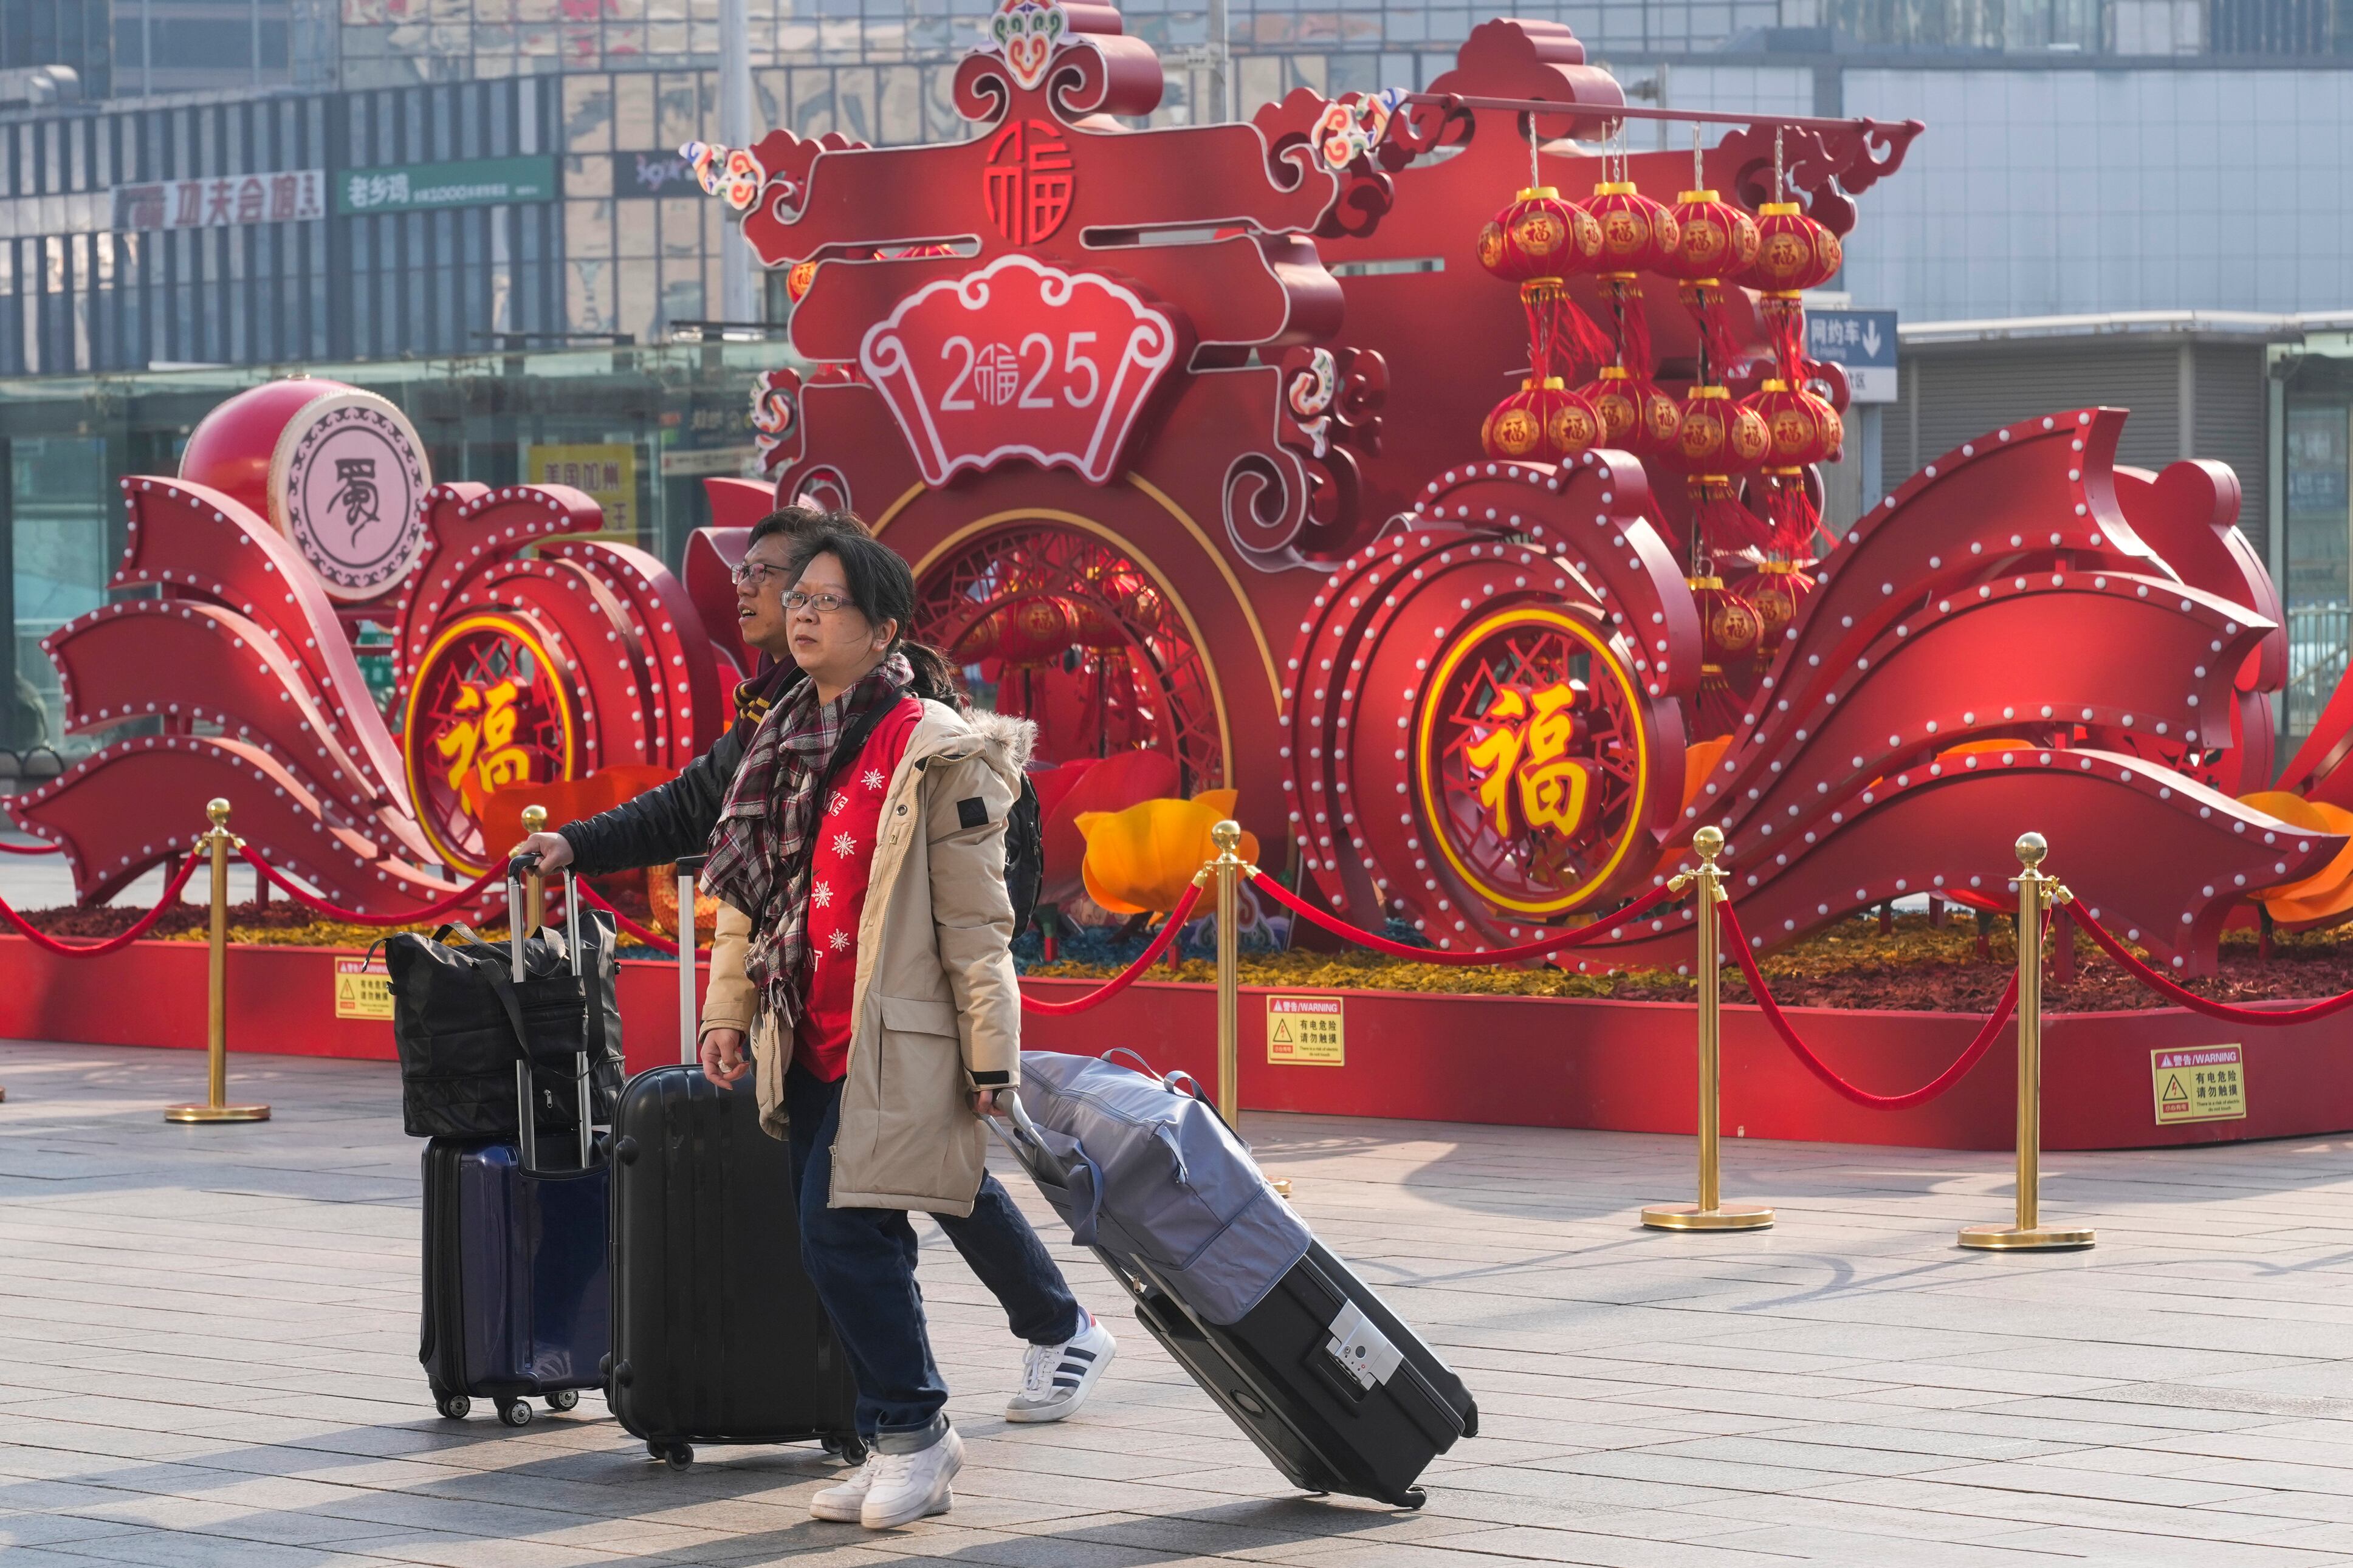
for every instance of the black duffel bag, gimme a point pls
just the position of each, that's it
(462, 1022)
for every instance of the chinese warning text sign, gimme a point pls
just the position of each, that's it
(2209, 1084)
(1306, 1031)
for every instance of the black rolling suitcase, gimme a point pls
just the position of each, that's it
(1330, 1385)
(718, 1336)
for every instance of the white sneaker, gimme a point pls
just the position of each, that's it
(844, 1503)
(909, 1486)
(1055, 1379)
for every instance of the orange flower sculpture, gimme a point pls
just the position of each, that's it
(1140, 860)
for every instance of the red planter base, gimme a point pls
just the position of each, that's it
(1520, 1061)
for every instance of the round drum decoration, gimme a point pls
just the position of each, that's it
(488, 708)
(1533, 760)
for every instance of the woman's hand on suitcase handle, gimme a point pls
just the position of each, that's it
(554, 851)
(723, 1061)
(990, 1101)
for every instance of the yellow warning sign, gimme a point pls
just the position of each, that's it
(2208, 1084)
(362, 990)
(1306, 1031)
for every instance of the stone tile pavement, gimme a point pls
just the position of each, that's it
(207, 1357)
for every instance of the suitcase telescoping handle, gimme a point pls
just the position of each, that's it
(519, 868)
(690, 1015)
(527, 1123)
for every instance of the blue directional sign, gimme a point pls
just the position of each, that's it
(1863, 343)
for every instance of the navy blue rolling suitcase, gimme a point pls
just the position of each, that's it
(517, 1290)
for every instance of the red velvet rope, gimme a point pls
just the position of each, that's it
(652, 939)
(2166, 986)
(1822, 1070)
(1126, 977)
(450, 905)
(1577, 938)
(42, 939)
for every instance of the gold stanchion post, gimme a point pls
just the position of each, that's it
(221, 840)
(2037, 893)
(1228, 869)
(534, 896)
(1710, 1213)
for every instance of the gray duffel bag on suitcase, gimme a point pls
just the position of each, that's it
(1156, 1176)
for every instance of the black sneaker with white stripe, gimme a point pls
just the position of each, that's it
(1055, 1378)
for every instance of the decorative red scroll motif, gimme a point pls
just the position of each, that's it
(1020, 360)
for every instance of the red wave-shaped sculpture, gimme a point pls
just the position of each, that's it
(243, 640)
(2016, 615)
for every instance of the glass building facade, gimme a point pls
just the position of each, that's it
(641, 428)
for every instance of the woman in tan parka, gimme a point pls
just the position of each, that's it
(864, 949)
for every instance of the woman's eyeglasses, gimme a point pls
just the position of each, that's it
(750, 573)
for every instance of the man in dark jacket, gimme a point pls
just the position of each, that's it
(674, 820)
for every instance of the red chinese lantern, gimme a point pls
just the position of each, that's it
(1774, 591)
(1794, 252)
(1539, 235)
(1803, 428)
(1730, 628)
(1031, 631)
(1540, 424)
(798, 280)
(1638, 235)
(1730, 636)
(1635, 415)
(1718, 435)
(1714, 239)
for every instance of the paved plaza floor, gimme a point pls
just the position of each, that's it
(207, 1356)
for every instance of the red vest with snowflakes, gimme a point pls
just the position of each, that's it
(839, 870)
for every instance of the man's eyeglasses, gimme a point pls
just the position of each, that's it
(748, 573)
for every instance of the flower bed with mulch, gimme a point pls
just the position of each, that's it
(1914, 966)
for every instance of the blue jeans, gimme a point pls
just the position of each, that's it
(862, 1262)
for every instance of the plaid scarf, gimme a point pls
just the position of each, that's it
(760, 850)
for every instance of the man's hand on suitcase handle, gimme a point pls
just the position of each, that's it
(723, 1061)
(997, 1103)
(555, 850)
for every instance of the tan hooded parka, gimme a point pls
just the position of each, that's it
(935, 998)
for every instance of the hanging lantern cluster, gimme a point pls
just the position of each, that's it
(1794, 252)
(1638, 235)
(1539, 242)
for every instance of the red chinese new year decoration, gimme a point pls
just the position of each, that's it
(1175, 425)
(1020, 360)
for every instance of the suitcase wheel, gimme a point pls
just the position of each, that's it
(847, 1447)
(678, 1455)
(563, 1399)
(515, 1413)
(456, 1406)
